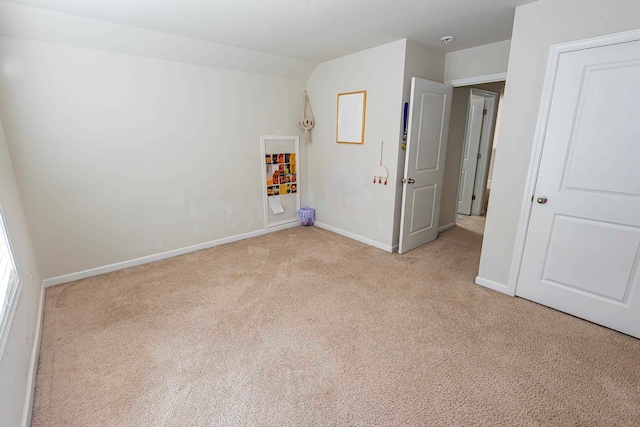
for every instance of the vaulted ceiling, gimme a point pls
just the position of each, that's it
(310, 30)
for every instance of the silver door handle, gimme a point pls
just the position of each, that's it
(542, 200)
(408, 181)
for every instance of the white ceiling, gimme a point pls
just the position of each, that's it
(315, 31)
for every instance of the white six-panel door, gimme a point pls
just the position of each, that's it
(582, 249)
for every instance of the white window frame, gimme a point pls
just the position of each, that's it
(9, 301)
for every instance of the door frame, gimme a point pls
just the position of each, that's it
(555, 52)
(478, 80)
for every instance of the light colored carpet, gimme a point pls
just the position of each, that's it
(307, 328)
(474, 224)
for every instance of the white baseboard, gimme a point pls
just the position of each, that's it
(446, 227)
(395, 248)
(493, 285)
(33, 367)
(387, 248)
(157, 257)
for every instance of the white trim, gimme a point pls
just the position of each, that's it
(394, 248)
(52, 281)
(477, 80)
(555, 52)
(284, 222)
(33, 367)
(5, 331)
(386, 248)
(446, 227)
(499, 287)
(13, 290)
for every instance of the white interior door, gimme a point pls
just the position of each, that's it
(491, 104)
(429, 111)
(470, 154)
(582, 247)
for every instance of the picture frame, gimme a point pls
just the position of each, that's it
(350, 117)
(281, 154)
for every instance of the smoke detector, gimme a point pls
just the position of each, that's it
(448, 39)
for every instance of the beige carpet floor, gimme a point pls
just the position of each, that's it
(306, 328)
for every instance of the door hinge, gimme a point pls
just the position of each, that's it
(473, 197)
(484, 112)
(479, 155)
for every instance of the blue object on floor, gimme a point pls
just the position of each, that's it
(306, 216)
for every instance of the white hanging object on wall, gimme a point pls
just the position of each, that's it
(380, 173)
(306, 124)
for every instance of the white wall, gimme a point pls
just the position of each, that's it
(119, 157)
(423, 62)
(478, 61)
(537, 26)
(341, 175)
(496, 137)
(15, 362)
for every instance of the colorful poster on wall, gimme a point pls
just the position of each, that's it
(281, 172)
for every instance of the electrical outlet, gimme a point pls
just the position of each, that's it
(230, 216)
(361, 216)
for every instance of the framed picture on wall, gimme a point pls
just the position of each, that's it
(351, 113)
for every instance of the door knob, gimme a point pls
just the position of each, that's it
(408, 181)
(542, 200)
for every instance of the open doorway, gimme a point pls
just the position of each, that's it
(475, 117)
